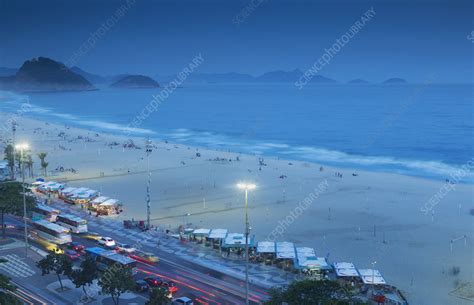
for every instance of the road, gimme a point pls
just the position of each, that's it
(206, 286)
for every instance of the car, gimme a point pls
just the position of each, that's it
(124, 248)
(106, 241)
(76, 246)
(91, 235)
(72, 255)
(182, 301)
(144, 256)
(153, 281)
(171, 286)
(141, 286)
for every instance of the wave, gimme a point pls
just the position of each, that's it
(423, 168)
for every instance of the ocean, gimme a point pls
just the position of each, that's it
(418, 129)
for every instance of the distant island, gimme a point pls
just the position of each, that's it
(395, 80)
(135, 81)
(44, 74)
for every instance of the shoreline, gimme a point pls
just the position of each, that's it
(371, 216)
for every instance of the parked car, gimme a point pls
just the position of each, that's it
(76, 246)
(144, 256)
(72, 255)
(171, 286)
(141, 286)
(153, 281)
(125, 248)
(182, 301)
(106, 241)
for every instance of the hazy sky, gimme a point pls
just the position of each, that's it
(410, 39)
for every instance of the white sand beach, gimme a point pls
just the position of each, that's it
(369, 217)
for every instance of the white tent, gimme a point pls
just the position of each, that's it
(99, 200)
(345, 269)
(218, 233)
(202, 232)
(109, 202)
(371, 277)
(285, 250)
(266, 247)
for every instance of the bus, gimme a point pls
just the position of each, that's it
(76, 224)
(45, 212)
(107, 258)
(52, 232)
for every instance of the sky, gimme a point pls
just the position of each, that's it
(409, 39)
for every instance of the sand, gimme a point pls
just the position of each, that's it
(370, 217)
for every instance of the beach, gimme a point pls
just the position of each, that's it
(345, 214)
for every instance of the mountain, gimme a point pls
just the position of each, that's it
(44, 74)
(92, 78)
(135, 81)
(358, 81)
(280, 76)
(394, 80)
(8, 71)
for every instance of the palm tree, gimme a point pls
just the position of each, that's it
(44, 164)
(10, 158)
(29, 164)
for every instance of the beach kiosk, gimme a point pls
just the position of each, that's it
(266, 251)
(371, 277)
(235, 242)
(64, 193)
(108, 207)
(216, 236)
(71, 196)
(86, 196)
(200, 235)
(307, 261)
(285, 254)
(93, 204)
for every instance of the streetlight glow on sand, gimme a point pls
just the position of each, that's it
(246, 186)
(22, 146)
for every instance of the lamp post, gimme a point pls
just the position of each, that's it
(148, 208)
(22, 147)
(373, 273)
(246, 187)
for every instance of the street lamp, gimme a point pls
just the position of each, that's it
(373, 273)
(22, 147)
(246, 187)
(149, 148)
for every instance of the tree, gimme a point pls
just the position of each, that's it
(86, 275)
(57, 263)
(9, 153)
(44, 165)
(11, 201)
(5, 287)
(159, 296)
(312, 292)
(29, 164)
(115, 281)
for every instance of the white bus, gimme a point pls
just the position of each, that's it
(52, 232)
(45, 212)
(76, 224)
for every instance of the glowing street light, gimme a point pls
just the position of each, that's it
(22, 147)
(246, 187)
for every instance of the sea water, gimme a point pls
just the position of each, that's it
(417, 129)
